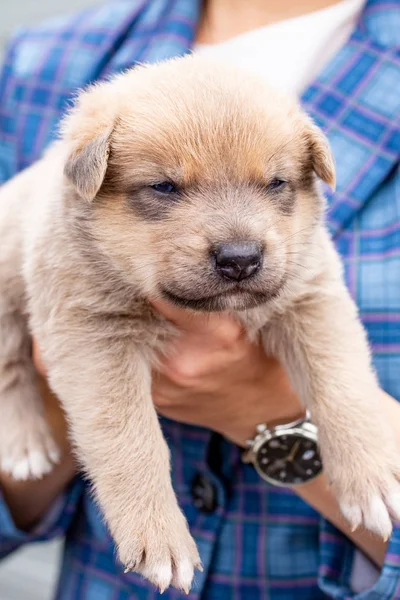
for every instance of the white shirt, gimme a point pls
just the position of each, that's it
(289, 55)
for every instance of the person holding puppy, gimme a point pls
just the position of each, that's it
(257, 540)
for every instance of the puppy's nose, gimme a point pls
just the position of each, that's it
(237, 260)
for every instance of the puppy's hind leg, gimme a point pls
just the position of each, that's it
(27, 449)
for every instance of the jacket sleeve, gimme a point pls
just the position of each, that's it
(338, 558)
(54, 524)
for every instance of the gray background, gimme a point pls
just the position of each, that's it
(30, 574)
(26, 12)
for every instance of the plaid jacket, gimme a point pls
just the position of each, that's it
(257, 542)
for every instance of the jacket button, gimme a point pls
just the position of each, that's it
(204, 494)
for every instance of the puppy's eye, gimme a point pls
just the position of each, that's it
(165, 187)
(276, 184)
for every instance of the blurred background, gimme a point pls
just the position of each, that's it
(30, 574)
(14, 13)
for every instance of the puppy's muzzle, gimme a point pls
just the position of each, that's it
(237, 260)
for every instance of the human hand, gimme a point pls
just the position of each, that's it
(215, 378)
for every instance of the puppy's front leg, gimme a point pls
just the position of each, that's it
(104, 382)
(324, 349)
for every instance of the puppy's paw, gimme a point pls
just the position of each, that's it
(28, 453)
(165, 552)
(369, 497)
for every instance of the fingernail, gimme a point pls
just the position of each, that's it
(353, 528)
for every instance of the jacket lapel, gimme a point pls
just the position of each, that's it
(356, 100)
(163, 29)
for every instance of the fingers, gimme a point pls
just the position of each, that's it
(220, 326)
(204, 366)
(210, 344)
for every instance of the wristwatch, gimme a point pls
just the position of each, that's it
(285, 455)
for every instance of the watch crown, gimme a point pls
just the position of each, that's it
(261, 428)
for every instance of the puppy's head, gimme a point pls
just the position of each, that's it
(197, 181)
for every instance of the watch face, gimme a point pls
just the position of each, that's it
(289, 459)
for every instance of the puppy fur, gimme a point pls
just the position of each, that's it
(85, 241)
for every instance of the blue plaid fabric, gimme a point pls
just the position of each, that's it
(261, 542)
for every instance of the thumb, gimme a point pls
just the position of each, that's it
(37, 359)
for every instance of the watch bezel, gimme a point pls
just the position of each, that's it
(302, 428)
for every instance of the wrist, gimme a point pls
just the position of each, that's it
(285, 410)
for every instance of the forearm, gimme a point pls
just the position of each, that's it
(319, 496)
(28, 501)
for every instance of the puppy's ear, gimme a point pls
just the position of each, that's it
(86, 167)
(322, 157)
(86, 132)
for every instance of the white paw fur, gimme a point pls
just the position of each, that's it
(375, 511)
(31, 460)
(34, 465)
(167, 555)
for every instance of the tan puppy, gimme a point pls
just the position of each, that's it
(195, 183)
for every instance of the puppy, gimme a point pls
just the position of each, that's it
(196, 183)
